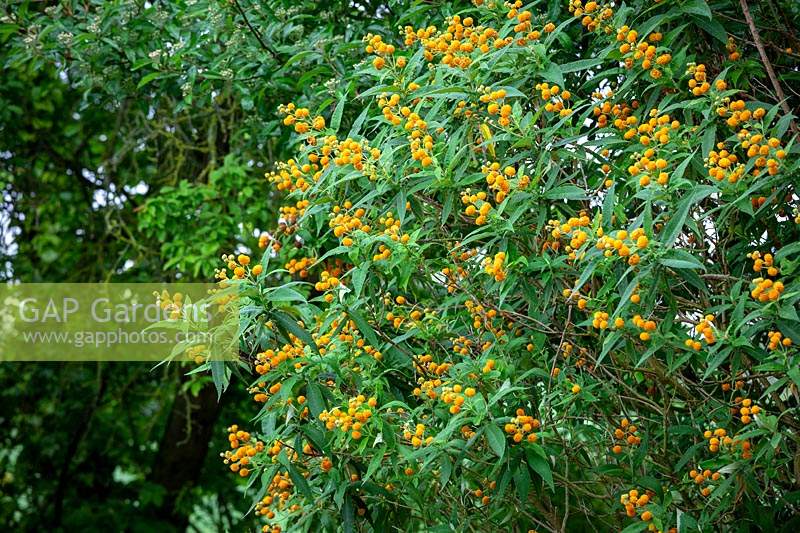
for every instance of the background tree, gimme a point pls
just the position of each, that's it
(133, 140)
(543, 277)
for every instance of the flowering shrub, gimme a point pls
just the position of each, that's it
(545, 279)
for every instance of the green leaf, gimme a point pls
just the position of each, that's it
(219, 375)
(316, 401)
(290, 324)
(284, 294)
(336, 118)
(709, 140)
(375, 463)
(359, 277)
(553, 74)
(581, 64)
(522, 481)
(787, 251)
(681, 170)
(697, 7)
(147, 79)
(635, 527)
(348, 515)
(715, 29)
(300, 482)
(299, 57)
(359, 122)
(676, 223)
(566, 192)
(537, 460)
(718, 359)
(497, 441)
(682, 263)
(364, 327)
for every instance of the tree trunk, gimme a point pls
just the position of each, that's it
(183, 450)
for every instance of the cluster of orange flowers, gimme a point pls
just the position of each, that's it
(522, 426)
(398, 315)
(714, 437)
(430, 380)
(736, 112)
(556, 99)
(420, 141)
(600, 320)
(353, 418)
(269, 359)
(344, 223)
(573, 296)
(347, 152)
(494, 101)
(380, 50)
(453, 276)
(481, 493)
(698, 84)
(760, 262)
(278, 491)
(483, 318)
(571, 229)
(288, 216)
(657, 128)
(457, 42)
(477, 205)
(646, 327)
(634, 502)
(705, 328)
(289, 177)
(300, 266)
(746, 408)
(258, 391)
(654, 167)
(391, 228)
(724, 165)
(455, 397)
(637, 240)
(719, 438)
(645, 51)
(298, 117)
(592, 14)
(759, 152)
(327, 282)
(625, 434)
(389, 106)
(620, 111)
(733, 50)
(239, 265)
(764, 153)
(461, 345)
(243, 448)
(766, 290)
(416, 438)
(494, 267)
(776, 339)
(699, 476)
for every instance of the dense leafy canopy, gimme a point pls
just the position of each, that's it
(525, 266)
(546, 279)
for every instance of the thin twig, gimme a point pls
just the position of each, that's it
(767, 65)
(255, 33)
